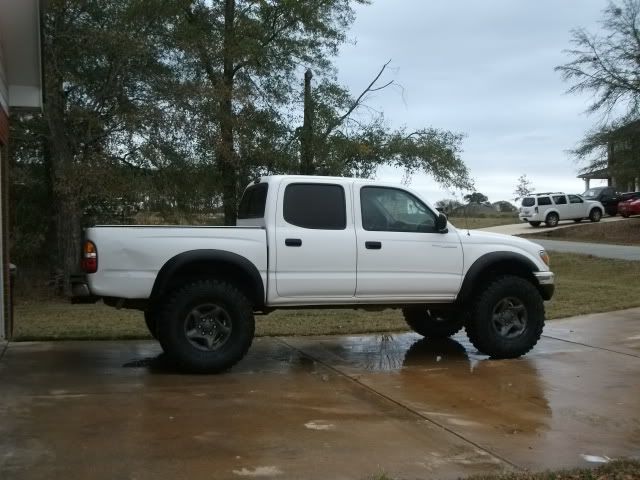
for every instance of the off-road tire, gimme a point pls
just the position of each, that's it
(535, 224)
(481, 328)
(178, 315)
(552, 220)
(433, 323)
(151, 321)
(595, 215)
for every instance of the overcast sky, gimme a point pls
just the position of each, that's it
(485, 69)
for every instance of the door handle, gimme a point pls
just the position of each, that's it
(373, 245)
(293, 242)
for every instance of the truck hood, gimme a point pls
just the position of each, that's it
(482, 237)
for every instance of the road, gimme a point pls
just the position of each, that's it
(618, 252)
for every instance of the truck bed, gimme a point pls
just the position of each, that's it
(131, 256)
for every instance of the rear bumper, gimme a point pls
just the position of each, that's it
(546, 284)
(80, 291)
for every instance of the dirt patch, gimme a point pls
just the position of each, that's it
(624, 232)
(616, 470)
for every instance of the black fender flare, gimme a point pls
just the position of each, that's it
(485, 262)
(194, 257)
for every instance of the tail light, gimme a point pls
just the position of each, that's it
(89, 257)
(536, 209)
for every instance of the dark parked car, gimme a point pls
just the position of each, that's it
(607, 196)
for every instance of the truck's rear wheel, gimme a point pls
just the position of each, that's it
(207, 326)
(595, 215)
(432, 323)
(507, 318)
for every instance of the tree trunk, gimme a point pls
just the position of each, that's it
(226, 153)
(65, 199)
(306, 137)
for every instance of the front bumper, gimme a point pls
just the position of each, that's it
(546, 284)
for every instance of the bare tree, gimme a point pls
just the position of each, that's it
(608, 66)
(523, 188)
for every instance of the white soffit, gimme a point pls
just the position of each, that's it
(20, 39)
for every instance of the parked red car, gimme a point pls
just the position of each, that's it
(629, 204)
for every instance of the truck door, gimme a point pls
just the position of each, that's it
(400, 254)
(315, 240)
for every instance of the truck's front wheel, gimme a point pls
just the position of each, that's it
(206, 326)
(507, 318)
(432, 323)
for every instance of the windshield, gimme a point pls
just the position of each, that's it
(592, 192)
(528, 202)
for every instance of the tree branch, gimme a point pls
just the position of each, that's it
(370, 88)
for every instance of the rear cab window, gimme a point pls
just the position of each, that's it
(253, 202)
(316, 206)
(528, 202)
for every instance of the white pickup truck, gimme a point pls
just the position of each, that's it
(318, 242)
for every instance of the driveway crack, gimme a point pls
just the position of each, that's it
(593, 346)
(401, 405)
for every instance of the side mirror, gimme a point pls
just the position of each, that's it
(441, 223)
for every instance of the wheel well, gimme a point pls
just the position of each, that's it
(198, 269)
(484, 274)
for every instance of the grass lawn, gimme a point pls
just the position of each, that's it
(584, 285)
(482, 222)
(623, 232)
(616, 470)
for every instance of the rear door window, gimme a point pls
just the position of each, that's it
(315, 205)
(559, 199)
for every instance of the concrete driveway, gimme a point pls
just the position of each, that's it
(524, 228)
(323, 407)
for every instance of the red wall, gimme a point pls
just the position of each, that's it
(4, 127)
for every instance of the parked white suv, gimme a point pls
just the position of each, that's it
(551, 207)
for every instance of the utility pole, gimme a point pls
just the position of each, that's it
(306, 137)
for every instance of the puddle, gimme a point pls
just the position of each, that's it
(160, 363)
(319, 425)
(269, 471)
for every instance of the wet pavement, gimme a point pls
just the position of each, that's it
(323, 407)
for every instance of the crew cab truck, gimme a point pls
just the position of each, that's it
(319, 242)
